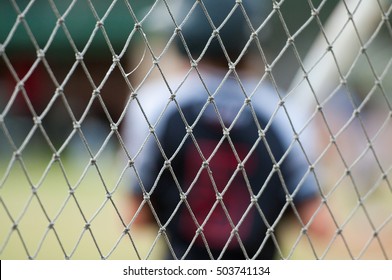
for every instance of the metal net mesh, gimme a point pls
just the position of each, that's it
(72, 70)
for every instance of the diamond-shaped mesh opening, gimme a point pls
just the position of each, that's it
(103, 99)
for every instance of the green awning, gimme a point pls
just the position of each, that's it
(80, 19)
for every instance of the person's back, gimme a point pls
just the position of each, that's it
(224, 170)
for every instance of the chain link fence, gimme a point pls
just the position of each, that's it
(70, 72)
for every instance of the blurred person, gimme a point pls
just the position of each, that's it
(214, 160)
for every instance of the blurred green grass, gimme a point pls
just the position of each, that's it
(51, 223)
